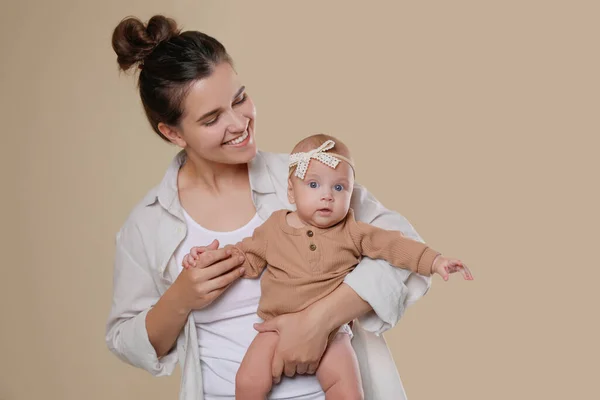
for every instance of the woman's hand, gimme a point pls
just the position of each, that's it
(193, 289)
(208, 273)
(302, 342)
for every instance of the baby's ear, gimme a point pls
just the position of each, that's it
(290, 192)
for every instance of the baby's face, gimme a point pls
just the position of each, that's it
(322, 198)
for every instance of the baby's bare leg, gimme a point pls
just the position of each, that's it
(338, 371)
(254, 379)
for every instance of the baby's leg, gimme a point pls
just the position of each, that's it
(338, 371)
(254, 379)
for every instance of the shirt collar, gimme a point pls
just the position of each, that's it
(260, 175)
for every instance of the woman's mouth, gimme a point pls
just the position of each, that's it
(238, 141)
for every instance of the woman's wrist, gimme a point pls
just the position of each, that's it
(175, 302)
(322, 316)
(338, 308)
(165, 320)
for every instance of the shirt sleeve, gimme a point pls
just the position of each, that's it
(254, 250)
(388, 290)
(134, 294)
(393, 247)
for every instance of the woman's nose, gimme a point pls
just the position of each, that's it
(239, 123)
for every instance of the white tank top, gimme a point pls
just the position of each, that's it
(225, 328)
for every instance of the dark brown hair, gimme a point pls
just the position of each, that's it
(169, 62)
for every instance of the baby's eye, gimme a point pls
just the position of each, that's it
(313, 185)
(338, 188)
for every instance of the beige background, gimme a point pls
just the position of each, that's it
(476, 120)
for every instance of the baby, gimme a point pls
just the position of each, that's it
(308, 252)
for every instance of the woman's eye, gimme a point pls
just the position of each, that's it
(212, 121)
(313, 185)
(339, 188)
(235, 103)
(241, 100)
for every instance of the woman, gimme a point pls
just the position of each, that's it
(221, 186)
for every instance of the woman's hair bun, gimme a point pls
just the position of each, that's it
(133, 40)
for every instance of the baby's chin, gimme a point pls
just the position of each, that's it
(323, 222)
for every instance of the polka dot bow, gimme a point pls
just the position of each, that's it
(301, 160)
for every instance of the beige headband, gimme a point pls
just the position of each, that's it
(302, 160)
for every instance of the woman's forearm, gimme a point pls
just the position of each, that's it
(340, 307)
(165, 321)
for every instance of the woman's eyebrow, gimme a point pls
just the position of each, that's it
(240, 91)
(218, 110)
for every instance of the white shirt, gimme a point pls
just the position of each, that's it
(225, 328)
(145, 267)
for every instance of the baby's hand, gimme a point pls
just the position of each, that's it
(189, 260)
(445, 266)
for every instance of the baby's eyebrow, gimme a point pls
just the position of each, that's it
(312, 176)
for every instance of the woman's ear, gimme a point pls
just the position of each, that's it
(172, 135)
(290, 192)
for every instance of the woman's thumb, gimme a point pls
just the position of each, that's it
(213, 245)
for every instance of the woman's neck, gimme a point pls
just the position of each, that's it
(211, 176)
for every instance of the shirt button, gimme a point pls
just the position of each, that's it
(309, 233)
(313, 247)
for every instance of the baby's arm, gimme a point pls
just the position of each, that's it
(402, 252)
(253, 249)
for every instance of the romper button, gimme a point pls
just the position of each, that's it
(313, 247)
(309, 233)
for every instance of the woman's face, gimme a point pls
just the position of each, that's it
(218, 120)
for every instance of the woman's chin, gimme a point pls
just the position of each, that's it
(240, 153)
(243, 157)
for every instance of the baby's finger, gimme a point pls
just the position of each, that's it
(454, 266)
(443, 272)
(214, 245)
(467, 273)
(196, 251)
(187, 262)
